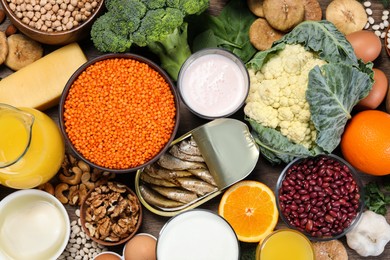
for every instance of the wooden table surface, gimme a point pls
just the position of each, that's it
(263, 172)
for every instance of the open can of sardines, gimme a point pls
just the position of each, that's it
(197, 167)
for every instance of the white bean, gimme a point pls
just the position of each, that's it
(383, 35)
(375, 27)
(377, 33)
(385, 12)
(367, 3)
(371, 20)
(369, 11)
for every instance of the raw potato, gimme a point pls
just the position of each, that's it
(313, 11)
(3, 47)
(22, 51)
(284, 15)
(347, 15)
(262, 35)
(256, 7)
(330, 250)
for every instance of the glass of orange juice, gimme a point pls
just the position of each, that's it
(32, 148)
(285, 244)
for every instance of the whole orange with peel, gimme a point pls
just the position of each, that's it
(365, 143)
(250, 208)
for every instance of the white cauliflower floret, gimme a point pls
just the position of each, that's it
(277, 96)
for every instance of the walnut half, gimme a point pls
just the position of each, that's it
(112, 212)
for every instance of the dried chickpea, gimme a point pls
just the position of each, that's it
(35, 13)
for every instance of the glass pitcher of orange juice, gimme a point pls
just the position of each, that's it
(31, 147)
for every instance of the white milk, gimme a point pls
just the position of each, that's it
(31, 228)
(197, 235)
(213, 85)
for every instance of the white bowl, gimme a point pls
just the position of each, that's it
(33, 225)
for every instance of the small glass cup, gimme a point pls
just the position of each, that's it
(213, 83)
(285, 244)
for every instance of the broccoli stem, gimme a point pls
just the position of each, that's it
(173, 50)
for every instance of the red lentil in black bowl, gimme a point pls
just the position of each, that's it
(320, 196)
(119, 112)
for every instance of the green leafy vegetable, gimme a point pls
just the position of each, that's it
(274, 146)
(333, 90)
(229, 30)
(377, 198)
(158, 24)
(332, 98)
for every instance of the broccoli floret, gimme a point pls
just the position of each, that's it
(154, 4)
(106, 34)
(158, 24)
(193, 7)
(173, 50)
(150, 31)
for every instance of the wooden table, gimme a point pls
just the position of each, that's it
(263, 172)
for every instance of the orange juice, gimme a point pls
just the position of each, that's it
(22, 168)
(285, 244)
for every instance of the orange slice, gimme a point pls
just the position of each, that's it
(250, 208)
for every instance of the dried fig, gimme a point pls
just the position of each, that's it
(313, 11)
(3, 47)
(347, 15)
(262, 35)
(256, 7)
(284, 15)
(330, 250)
(22, 51)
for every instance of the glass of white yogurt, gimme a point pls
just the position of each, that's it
(213, 83)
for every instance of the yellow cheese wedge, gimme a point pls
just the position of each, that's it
(40, 84)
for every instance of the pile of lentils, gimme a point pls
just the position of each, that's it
(319, 196)
(53, 15)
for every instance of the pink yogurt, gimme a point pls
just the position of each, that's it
(213, 83)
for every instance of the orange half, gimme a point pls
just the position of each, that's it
(250, 208)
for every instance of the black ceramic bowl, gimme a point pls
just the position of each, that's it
(124, 105)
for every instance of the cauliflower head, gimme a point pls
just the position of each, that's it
(277, 95)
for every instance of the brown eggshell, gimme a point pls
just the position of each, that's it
(377, 93)
(140, 247)
(366, 44)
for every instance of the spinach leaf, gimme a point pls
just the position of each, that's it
(331, 99)
(229, 30)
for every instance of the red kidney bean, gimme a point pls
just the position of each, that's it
(319, 196)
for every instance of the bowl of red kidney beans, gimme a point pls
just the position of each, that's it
(320, 196)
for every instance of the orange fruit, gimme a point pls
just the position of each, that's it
(365, 143)
(250, 208)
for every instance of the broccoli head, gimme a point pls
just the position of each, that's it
(147, 23)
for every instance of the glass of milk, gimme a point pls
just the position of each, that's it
(197, 234)
(34, 225)
(213, 83)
